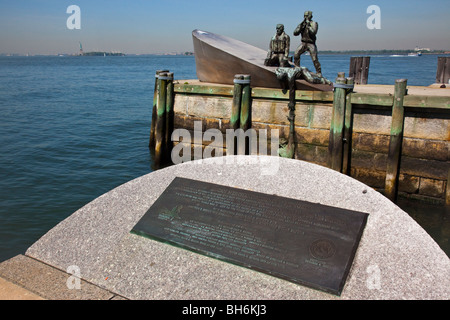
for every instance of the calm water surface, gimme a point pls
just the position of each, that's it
(73, 128)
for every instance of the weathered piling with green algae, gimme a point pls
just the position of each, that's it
(236, 103)
(245, 116)
(246, 113)
(169, 117)
(163, 118)
(447, 191)
(155, 102)
(160, 118)
(241, 110)
(235, 117)
(396, 140)
(348, 125)
(366, 137)
(338, 130)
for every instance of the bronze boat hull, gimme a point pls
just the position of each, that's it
(218, 59)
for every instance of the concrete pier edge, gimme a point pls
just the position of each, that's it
(115, 265)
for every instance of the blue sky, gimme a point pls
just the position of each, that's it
(138, 26)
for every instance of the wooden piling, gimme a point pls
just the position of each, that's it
(447, 191)
(245, 115)
(169, 114)
(335, 146)
(160, 118)
(359, 69)
(236, 104)
(443, 70)
(151, 143)
(396, 140)
(348, 125)
(246, 112)
(426, 108)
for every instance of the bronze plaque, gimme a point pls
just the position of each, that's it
(306, 243)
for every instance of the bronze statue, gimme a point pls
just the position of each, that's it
(308, 30)
(278, 49)
(287, 76)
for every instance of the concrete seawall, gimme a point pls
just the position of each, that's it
(425, 151)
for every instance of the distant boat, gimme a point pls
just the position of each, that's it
(411, 54)
(218, 59)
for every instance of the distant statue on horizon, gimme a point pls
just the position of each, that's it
(278, 53)
(308, 30)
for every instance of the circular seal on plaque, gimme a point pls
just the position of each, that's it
(322, 249)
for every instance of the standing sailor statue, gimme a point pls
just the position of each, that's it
(308, 30)
(278, 54)
(287, 74)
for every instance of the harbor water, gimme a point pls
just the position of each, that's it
(73, 128)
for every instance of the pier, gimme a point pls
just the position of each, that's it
(93, 255)
(395, 138)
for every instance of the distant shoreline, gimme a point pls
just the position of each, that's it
(102, 53)
(324, 52)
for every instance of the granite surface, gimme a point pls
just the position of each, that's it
(396, 258)
(38, 281)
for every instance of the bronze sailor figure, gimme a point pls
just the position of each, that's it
(278, 53)
(308, 30)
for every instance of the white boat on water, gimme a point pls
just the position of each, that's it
(411, 54)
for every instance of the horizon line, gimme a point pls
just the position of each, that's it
(190, 53)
